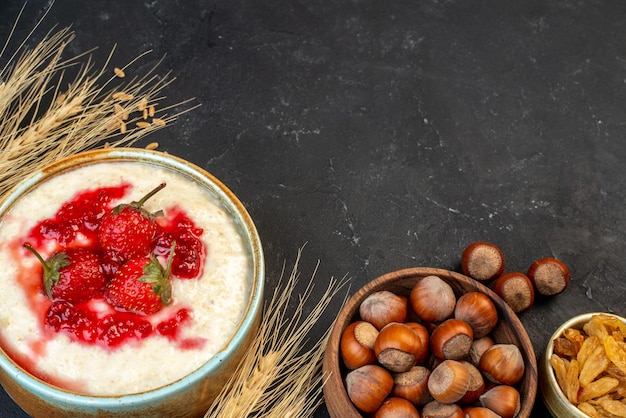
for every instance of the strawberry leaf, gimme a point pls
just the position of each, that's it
(51, 268)
(51, 272)
(155, 275)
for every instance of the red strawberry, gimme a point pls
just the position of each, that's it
(141, 285)
(128, 230)
(73, 275)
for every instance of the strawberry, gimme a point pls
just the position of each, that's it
(141, 285)
(128, 230)
(73, 275)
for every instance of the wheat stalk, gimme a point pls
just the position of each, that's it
(41, 121)
(276, 377)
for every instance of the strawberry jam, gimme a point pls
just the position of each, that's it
(189, 248)
(95, 322)
(78, 216)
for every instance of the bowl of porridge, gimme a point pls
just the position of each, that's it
(132, 286)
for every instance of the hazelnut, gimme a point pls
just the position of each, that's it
(478, 311)
(383, 307)
(397, 407)
(504, 400)
(436, 409)
(449, 381)
(476, 386)
(424, 336)
(413, 385)
(479, 412)
(357, 344)
(397, 347)
(368, 386)
(482, 261)
(516, 290)
(503, 364)
(479, 346)
(452, 339)
(432, 299)
(549, 276)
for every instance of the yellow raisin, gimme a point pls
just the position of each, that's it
(610, 322)
(588, 347)
(594, 366)
(575, 336)
(588, 409)
(597, 388)
(572, 383)
(614, 407)
(615, 353)
(564, 347)
(560, 371)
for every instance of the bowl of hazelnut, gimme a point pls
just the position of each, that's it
(428, 342)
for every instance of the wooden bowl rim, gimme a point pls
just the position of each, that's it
(331, 361)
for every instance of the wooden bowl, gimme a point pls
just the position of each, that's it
(508, 330)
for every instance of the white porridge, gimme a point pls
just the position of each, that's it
(216, 300)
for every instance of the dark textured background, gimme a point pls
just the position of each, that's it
(391, 134)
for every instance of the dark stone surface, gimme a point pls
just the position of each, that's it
(387, 135)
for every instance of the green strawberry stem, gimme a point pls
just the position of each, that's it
(137, 205)
(45, 265)
(50, 268)
(151, 193)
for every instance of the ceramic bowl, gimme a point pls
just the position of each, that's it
(555, 400)
(508, 330)
(189, 396)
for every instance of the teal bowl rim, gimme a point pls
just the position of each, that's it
(69, 399)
